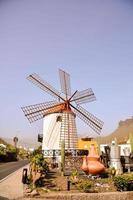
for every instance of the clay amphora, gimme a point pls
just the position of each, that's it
(84, 166)
(94, 166)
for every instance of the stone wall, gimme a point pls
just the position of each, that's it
(88, 196)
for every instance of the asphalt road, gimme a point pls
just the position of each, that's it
(10, 167)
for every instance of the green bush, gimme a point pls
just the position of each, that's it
(23, 154)
(121, 182)
(75, 173)
(86, 186)
(74, 176)
(39, 163)
(2, 151)
(38, 169)
(8, 154)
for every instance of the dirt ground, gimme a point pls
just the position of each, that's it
(54, 181)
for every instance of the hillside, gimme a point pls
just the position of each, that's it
(121, 133)
(2, 141)
(25, 142)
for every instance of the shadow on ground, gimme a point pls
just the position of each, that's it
(3, 198)
(51, 175)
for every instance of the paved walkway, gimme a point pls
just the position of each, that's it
(11, 187)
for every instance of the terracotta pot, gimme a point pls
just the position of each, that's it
(94, 166)
(84, 166)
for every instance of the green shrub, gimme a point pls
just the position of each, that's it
(121, 182)
(75, 173)
(74, 176)
(86, 186)
(39, 163)
(23, 154)
(38, 170)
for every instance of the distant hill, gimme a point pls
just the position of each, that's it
(26, 142)
(121, 133)
(2, 141)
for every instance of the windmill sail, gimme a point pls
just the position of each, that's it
(65, 82)
(36, 80)
(95, 123)
(84, 96)
(37, 111)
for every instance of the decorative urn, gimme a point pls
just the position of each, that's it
(84, 166)
(94, 166)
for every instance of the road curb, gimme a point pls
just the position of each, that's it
(12, 173)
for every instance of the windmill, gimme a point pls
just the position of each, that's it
(59, 115)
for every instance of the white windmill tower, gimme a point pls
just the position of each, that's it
(59, 115)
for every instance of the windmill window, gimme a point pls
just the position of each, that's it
(59, 119)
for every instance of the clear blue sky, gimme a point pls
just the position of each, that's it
(90, 39)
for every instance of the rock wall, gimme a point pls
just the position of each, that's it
(88, 196)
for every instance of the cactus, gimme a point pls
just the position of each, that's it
(131, 141)
(115, 141)
(98, 146)
(62, 156)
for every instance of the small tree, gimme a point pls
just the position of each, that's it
(38, 168)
